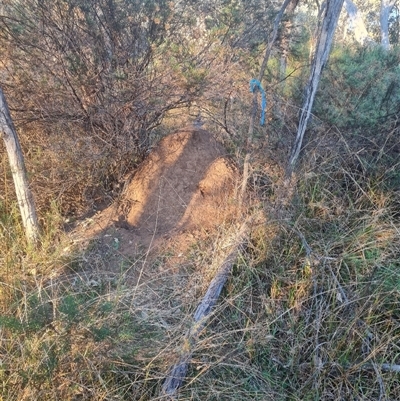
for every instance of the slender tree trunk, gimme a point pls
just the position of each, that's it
(287, 27)
(249, 142)
(325, 38)
(24, 195)
(386, 8)
(360, 31)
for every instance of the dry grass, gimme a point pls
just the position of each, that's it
(309, 313)
(311, 309)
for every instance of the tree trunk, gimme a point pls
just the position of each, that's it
(386, 8)
(249, 142)
(360, 31)
(24, 195)
(325, 38)
(287, 27)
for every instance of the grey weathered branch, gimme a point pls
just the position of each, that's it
(17, 165)
(177, 373)
(325, 38)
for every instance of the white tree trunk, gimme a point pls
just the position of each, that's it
(325, 38)
(386, 8)
(357, 23)
(24, 195)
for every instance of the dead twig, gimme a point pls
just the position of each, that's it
(177, 373)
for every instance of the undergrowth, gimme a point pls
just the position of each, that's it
(311, 309)
(310, 312)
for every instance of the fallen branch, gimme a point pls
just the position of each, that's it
(390, 367)
(177, 373)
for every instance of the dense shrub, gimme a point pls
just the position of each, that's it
(90, 82)
(360, 88)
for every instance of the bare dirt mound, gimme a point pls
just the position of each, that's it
(186, 184)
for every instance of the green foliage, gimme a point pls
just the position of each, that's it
(40, 341)
(11, 323)
(360, 88)
(388, 278)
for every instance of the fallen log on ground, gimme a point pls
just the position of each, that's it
(177, 373)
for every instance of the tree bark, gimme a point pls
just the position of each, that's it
(325, 38)
(249, 142)
(17, 165)
(287, 27)
(360, 31)
(386, 8)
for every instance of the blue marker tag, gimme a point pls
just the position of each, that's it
(254, 83)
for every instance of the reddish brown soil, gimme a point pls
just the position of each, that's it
(186, 185)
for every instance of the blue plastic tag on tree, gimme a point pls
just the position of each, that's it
(255, 84)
